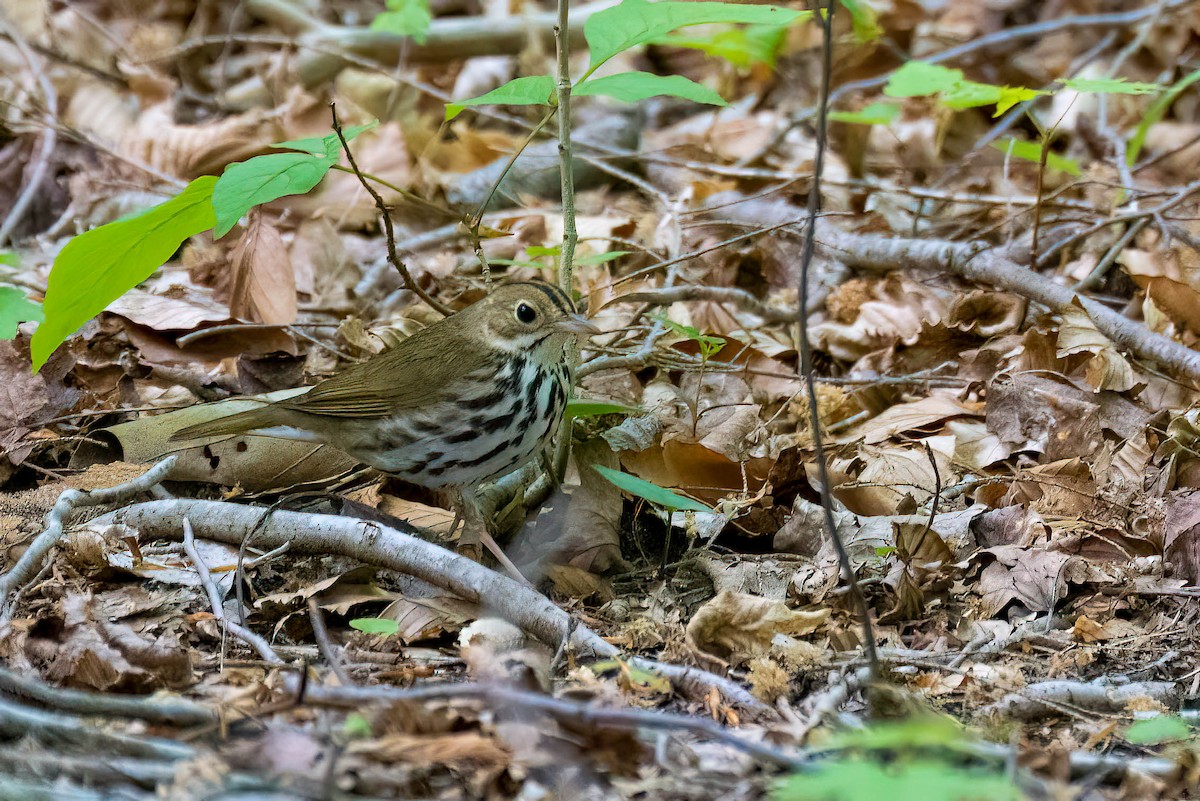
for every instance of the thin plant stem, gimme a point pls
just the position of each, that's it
(806, 353)
(388, 230)
(477, 220)
(570, 234)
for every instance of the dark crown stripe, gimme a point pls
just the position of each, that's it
(558, 297)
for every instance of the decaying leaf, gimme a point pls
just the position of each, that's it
(736, 627)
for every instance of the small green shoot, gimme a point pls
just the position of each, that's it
(650, 492)
(16, 308)
(582, 407)
(1158, 730)
(874, 114)
(1032, 151)
(376, 625)
(405, 18)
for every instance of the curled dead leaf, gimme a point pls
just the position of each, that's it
(736, 627)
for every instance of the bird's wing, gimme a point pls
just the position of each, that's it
(408, 376)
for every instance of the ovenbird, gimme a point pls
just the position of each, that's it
(463, 401)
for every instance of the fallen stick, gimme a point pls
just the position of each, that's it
(176, 711)
(30, 563)
(998, 267)
(451, 39)
(575, 713)
(376, 544)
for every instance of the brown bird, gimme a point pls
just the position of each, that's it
(466, 400)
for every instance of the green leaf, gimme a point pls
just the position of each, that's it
(630, 87)
(538, 250)
(863, 19)
(405, 18)
(1110, 86)
(9, 259)
(601, 258)
(356, 727)
(532, 90)
(1012, 95)
(246, 184)
(581, 407)
(922, 731)
(650, 492)
(1032, 151)
(375, 625)
(910, 780)
(970, 94)
(918, 79)
(637, 22)
(1154, 114)
(874, 114)
(709, 344)
(1157, 730)
(98, 266)
(328, 145)
(262, 179)
(15, 308)
(742, 46)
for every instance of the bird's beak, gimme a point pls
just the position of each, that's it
(578, 325)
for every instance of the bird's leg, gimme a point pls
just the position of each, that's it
(475, 533)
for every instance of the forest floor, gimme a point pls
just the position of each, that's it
(1002, 340)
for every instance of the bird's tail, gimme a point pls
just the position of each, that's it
(240, 423)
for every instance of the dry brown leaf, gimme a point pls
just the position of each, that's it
(877, 479)
(898, 311)
(1107, 369)
(1035, 578)
(264, 283)
(176, 308)
(95, 653)
(737, 627)
(915, 416)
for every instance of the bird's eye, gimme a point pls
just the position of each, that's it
(526, 313)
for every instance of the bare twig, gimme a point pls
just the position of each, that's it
(387, 222)
(178, 712)
(570, 234)
(218, 603)
(49, 136)
(17, 720)
(448, 39)
(667, 295)
(806, 354)
(321, 634)
(1000, 268)
(1043, 699)
(31, 561)
(572, 712)
(376, 544)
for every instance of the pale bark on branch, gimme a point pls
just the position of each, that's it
(376, 544)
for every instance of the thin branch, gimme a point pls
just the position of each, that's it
(17, 720)
(665, 296)
(571, 712)
(178, 712)
(376, 544)
(566, 170)
(41, 160)
(974, 261)
(401, 268)
(218, 603)
(321, 634)
(806, 353)
(56, 519)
